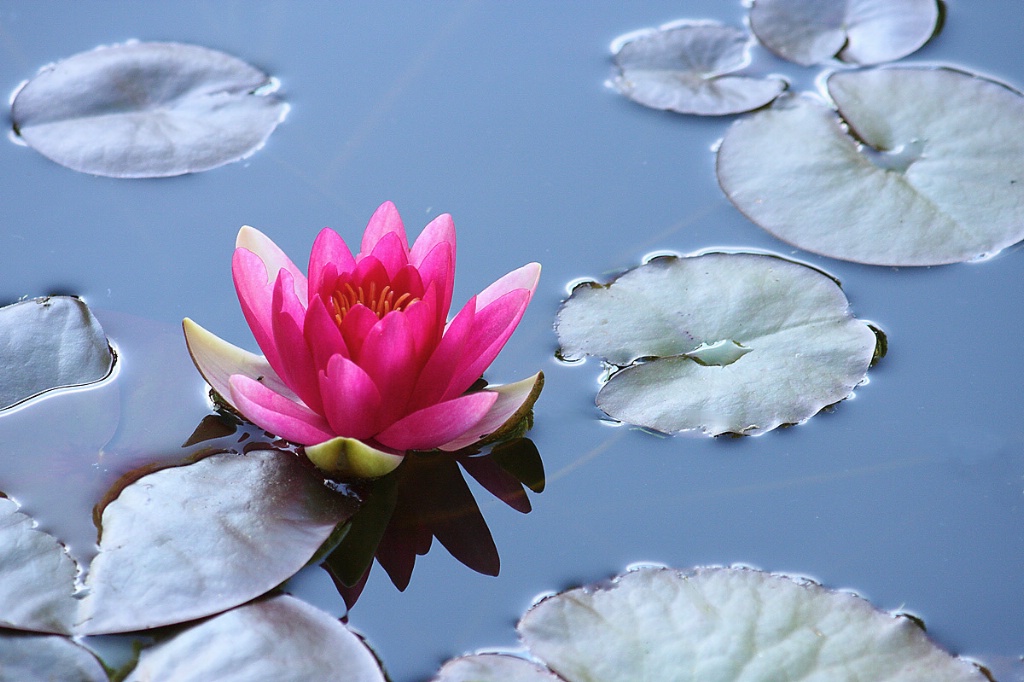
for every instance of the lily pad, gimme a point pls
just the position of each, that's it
(46, 657)
(725, 343)
(280, 638)
(686, 67)
(48, 343)
(143, 110)
(729, 625)
(493, 668)
(919, 166)
(857, 31)
(186, 542)
(37, 577)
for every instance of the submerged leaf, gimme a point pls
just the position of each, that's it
(142, 110)
(182, 543)
(280, 638)
(686, 67)
(919, 166)
(725, 343)
(47, 343)
(857, 31)
(25, 658)
(37, 577)
(729, 625)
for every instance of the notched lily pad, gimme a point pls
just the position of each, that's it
(857, 31)
(729, 625)
(48, 343)
(185, 542)
(917, 166)
(25, 657)
(280, 638)
(143, 110)
(724, 343)
(687, 67)
(493, 668)
(37, 577)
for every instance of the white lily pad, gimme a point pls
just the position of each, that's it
(142, 110)
(857, 31)
(920, 166)
(26, 658)
(493, 668)
(48, 343)
(37, 577)
(185, 542)
(280, 638)
(725, 343)
(687, 67)
(729, 625)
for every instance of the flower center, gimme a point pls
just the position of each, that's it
(380, 304)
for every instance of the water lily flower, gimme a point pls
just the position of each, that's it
(360, 364)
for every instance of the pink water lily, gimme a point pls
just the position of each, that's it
(360, 364)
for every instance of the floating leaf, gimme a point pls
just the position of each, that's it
(493, 668)
(934, 174)
(25, 658)
(686, 67)
(47, 343)
(186, 542)
(729, 625)
(725, 343)
(280, 638)
(142, 110)
(37, 577)
(857, 31)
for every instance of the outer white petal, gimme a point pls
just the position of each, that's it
(513, 404)
(273, 257)
(217, 360)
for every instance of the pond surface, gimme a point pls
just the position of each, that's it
(911, 494)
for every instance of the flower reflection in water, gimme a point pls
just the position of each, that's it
(426, 497)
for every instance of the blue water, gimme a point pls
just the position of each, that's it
(912, 493)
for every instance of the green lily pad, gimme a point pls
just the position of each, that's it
(143, 110)
(724, 343)
(280, 638)
(25, 657)
(49, 343)
(729, 625)
(687, 67)
(857, 31)
(917, 166)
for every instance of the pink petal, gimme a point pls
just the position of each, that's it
(323, 338)
(255, 294)
(368, 270)
(295, 364)
(512, 405)
(389, 357)
(329, 249)
(440, 230)
(492, 327)
(440, 367)
(525, 277)
(438, 268)
(408, 279)
(276, 413)
(392, 252)
(273, 257)
(357, 324)
(424, 327)
(439, 423)
(217, 360)
(384, 220)
(351, 400)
